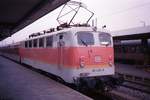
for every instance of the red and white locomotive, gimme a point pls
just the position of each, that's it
(76, 54)
(70, 53)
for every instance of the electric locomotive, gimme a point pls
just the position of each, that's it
(78, 54)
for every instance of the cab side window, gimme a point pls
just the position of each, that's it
(61, 41)
(60, 37)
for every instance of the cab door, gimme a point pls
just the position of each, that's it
(60, 45)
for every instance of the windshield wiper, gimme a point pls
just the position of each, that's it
(84, 42)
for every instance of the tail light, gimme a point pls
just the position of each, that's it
(82, 62)
(110, 61)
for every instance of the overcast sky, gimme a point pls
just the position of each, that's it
(115, 14)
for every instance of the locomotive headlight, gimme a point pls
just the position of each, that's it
(82, 62)
(110, 64)
(110, 58)
(110, 61)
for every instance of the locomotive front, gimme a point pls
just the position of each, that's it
(93, 57)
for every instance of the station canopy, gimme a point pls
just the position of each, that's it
(16, 14)
(132, 34)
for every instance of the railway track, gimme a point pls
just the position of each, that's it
(130, 91)
(137, 86)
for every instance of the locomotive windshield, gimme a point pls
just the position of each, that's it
(104, 38)
(85, 38)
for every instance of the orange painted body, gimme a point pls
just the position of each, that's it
(70, 56)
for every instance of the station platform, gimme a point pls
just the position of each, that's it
(132, 73)
(20, 83)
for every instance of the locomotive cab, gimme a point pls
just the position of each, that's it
(88, 53)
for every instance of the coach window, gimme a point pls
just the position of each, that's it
(35, 42)
(30, 43)
(49, 41)
(26, 44)
(41, 42)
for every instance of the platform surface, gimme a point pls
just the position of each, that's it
(20, 83)
(131, 70)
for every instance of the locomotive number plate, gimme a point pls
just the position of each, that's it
(98, 70)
